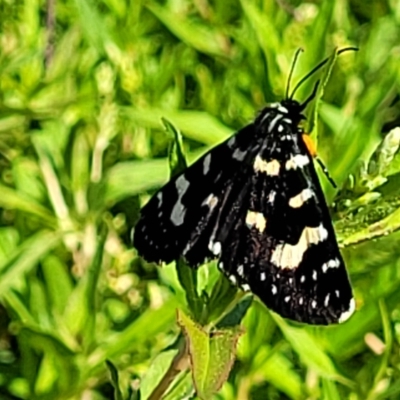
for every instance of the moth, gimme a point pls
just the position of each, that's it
(254, 203)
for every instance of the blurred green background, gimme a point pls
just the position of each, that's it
(83, 87)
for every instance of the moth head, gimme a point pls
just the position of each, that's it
(290, 95)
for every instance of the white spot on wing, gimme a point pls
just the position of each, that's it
(269, 167)
(239, 154)
(257, 220)
(347, 314)
(263, 276)
(271, 196)
(159, 197)
(282, 109)
(303, 279)
(232, 279)
(326, 301)
(313, 304)
(337, 293)
(287, 299)
(215, 248)
(314, 275)
(246, 287)
(211, 201)
(272, 124)
(179, 211)
(240, 270)
(298, 200)
(301, 301)
(280, 128)
(231, 141)
(206, 164)
(289, 256)
(333, 263)
(274, 290)
(297, 161)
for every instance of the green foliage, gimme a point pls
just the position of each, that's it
(82, 95)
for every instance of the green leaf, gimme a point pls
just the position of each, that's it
(25, 257)
(195, 125)
(199, 36)
(188, 279)
(235, 316)
(222, 295)
(211, 354)
(12, 200)
(309, 350)
(114, 380)
(156, 372)
(177, 160)
(152, 321)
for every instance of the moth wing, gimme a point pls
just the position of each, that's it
(180, 217)
(283, 246)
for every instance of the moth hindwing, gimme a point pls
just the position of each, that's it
(255, 203)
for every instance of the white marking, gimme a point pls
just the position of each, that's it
(301, 301)
(273, 105)
(239, 154)
(159, 197)
(231, 141)
(179, 211)
(337, 293)
(271, 196)
(297, 161)
(298, 200)
(263, 276)
(290, 281)
(257, 220)
(282, 109)
(272, 124)
(287, 120)
(289, 256)
(347, 314)
(211, 201)
(326, 301)
(280, 128)
(303, 279)
(274, 290)
(269, 167)
(333, 263)
(187, 248)
(221, 265)
(287, 299)
(206, 164)
(240, 270)
(232, 279)
(314, 275)
(215, 248)
(160, 214)
(245, 287)
(313, 304)
(278, 276)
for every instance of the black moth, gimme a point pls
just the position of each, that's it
(254, 202)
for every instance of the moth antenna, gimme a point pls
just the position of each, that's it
(296, 56)
(311, 96)
(317, 67)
